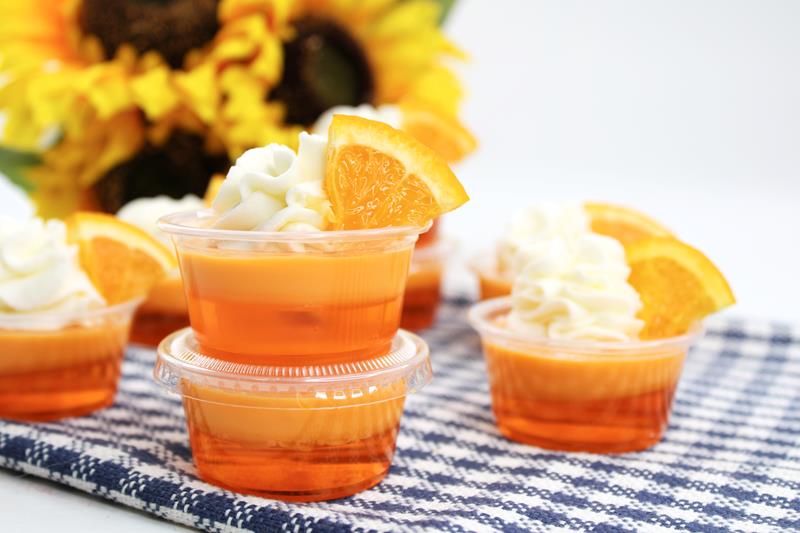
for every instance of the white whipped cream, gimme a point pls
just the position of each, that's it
(274, 189)
(575, 288)
(40, 272)
(535, 224)
(145, 212)
(388, 114)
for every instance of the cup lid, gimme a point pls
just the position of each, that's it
(181, 361)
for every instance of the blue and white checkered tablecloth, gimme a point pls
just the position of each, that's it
(730, 460)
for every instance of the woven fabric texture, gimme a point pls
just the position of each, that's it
(730, 460)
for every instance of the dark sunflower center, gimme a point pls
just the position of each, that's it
(181, 166)
(323, 67)
(171, 27)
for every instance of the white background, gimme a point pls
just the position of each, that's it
(686, 109)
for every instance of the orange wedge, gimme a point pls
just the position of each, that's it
(679, 286)
(377, 176)
(623, 223)
(122, 261)
(213, 188)
(444, 135)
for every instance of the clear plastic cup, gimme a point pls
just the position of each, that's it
(293, 432)
(491, 282)
(163, 311)
(601, 397)
(60, 364)
(424, 287)
(262, 296)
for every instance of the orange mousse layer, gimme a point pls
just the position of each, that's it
(46, 375)
(586, 402)
(296, 447)
(163, 312)
(256, 307)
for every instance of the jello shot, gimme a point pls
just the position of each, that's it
(578, 395)
(307, 254)
(61, 364)
(61, 345)
(586, 353)
(164, 310)
(305, 432)
(260, 296)
(424, 287)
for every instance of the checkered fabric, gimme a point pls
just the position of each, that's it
(730, 460)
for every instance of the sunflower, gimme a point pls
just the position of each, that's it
(109, 100)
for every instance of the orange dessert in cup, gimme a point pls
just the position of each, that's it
(164, 310)
(293, 373)
(496, 271)
(263, 282)
(278, 432)
(63, 328)
(587, 352)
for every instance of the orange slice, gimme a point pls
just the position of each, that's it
(623, 223)
(213, 188)
(679, 286)
(122, 261)
(377, 176)
(444, 135)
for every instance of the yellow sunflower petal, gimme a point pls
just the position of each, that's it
(200, 89)
(154, 93)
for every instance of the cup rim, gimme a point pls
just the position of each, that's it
(480, 315)
(70, 317)
(175, 224)
(179, 360)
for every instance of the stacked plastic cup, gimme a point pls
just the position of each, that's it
(294, 371)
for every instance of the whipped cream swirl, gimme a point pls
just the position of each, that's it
(40, 271)
(388, 114)
(538, 223)
(274, 189)
(145, 212)
(575, 288)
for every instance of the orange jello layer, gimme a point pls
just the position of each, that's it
(52, 374)
(293, 446)
(582, 402)
(296, 304)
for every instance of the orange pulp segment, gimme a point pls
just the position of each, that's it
(122, 261)
(444, 135)
(679, 286)
(377, 176)
(623, 223)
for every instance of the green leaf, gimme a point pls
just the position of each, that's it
(15, 163)
(447, 5)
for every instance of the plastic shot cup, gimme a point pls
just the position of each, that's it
(601, 397)
(491, 282)
(424, 287)
(294, 432)
(61, 364)
(163, 312)
(264, 296)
